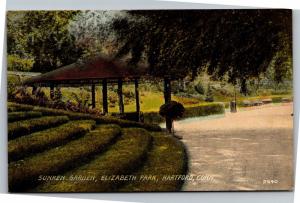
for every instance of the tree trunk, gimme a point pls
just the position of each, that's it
(93, 96)
(167, 95)
(120, 94)
(34, 88)
(169, 124)
(52, 91)
(137, 98)
(167, 90)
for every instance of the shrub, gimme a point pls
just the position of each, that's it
(199, 88)
(122, 158)
(82, 100)
(20, 128)
(128, 94)
(13, 81)
(17, 116)
(209, 94)
(15, 62)
(25, 173)
(173, 110)
(42, 140)
(167, 157)
(22, 95)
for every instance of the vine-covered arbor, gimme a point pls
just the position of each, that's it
(98, 71)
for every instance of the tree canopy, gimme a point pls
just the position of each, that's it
(43, 37)
(239, 44)
(235, 45)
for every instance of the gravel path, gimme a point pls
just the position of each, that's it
(248, 150)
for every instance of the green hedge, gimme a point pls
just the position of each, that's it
(126, 123)
(167, 157)
(25, 173)
(20, 128)
(204, 110)
(201, 110)
(122, 158)
(98, 119)
(42, 140)
(12, 107)
(23, 115)
(276, 99)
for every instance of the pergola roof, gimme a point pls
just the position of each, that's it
(92, 70)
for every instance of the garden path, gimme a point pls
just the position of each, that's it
(248, 150)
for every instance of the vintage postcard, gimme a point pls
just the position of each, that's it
(150, 100)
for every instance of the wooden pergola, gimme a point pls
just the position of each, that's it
(94, 72)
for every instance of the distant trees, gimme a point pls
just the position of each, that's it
(93, 32)
(42, 37)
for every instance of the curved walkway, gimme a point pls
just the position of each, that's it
(248, 150)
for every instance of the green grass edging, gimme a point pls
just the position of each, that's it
(24, 173)
(21, 128)
(166, 158)
(122, 158)
(42, 140)
(23, 115)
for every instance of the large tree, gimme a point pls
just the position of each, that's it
(42, 36)
(238, 44)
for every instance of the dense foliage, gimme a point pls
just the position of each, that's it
(237, 44)
(42, 37)
(172, 110)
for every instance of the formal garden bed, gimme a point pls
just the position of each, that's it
(59, 142)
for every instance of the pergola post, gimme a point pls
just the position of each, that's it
(104, 96)
(120, 94)
(137, 97)
(52, 91)
(34, 88)
(93, 96)
(58, 92)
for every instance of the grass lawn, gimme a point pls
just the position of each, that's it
(150, 101)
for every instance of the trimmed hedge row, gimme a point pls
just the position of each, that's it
(166, 158)
(40, 141)
(126, 123)
(23, 115)
(202, 110)
(20, 128)
(122, 158)
(25, 173)
(12, 107)
(98, 119)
